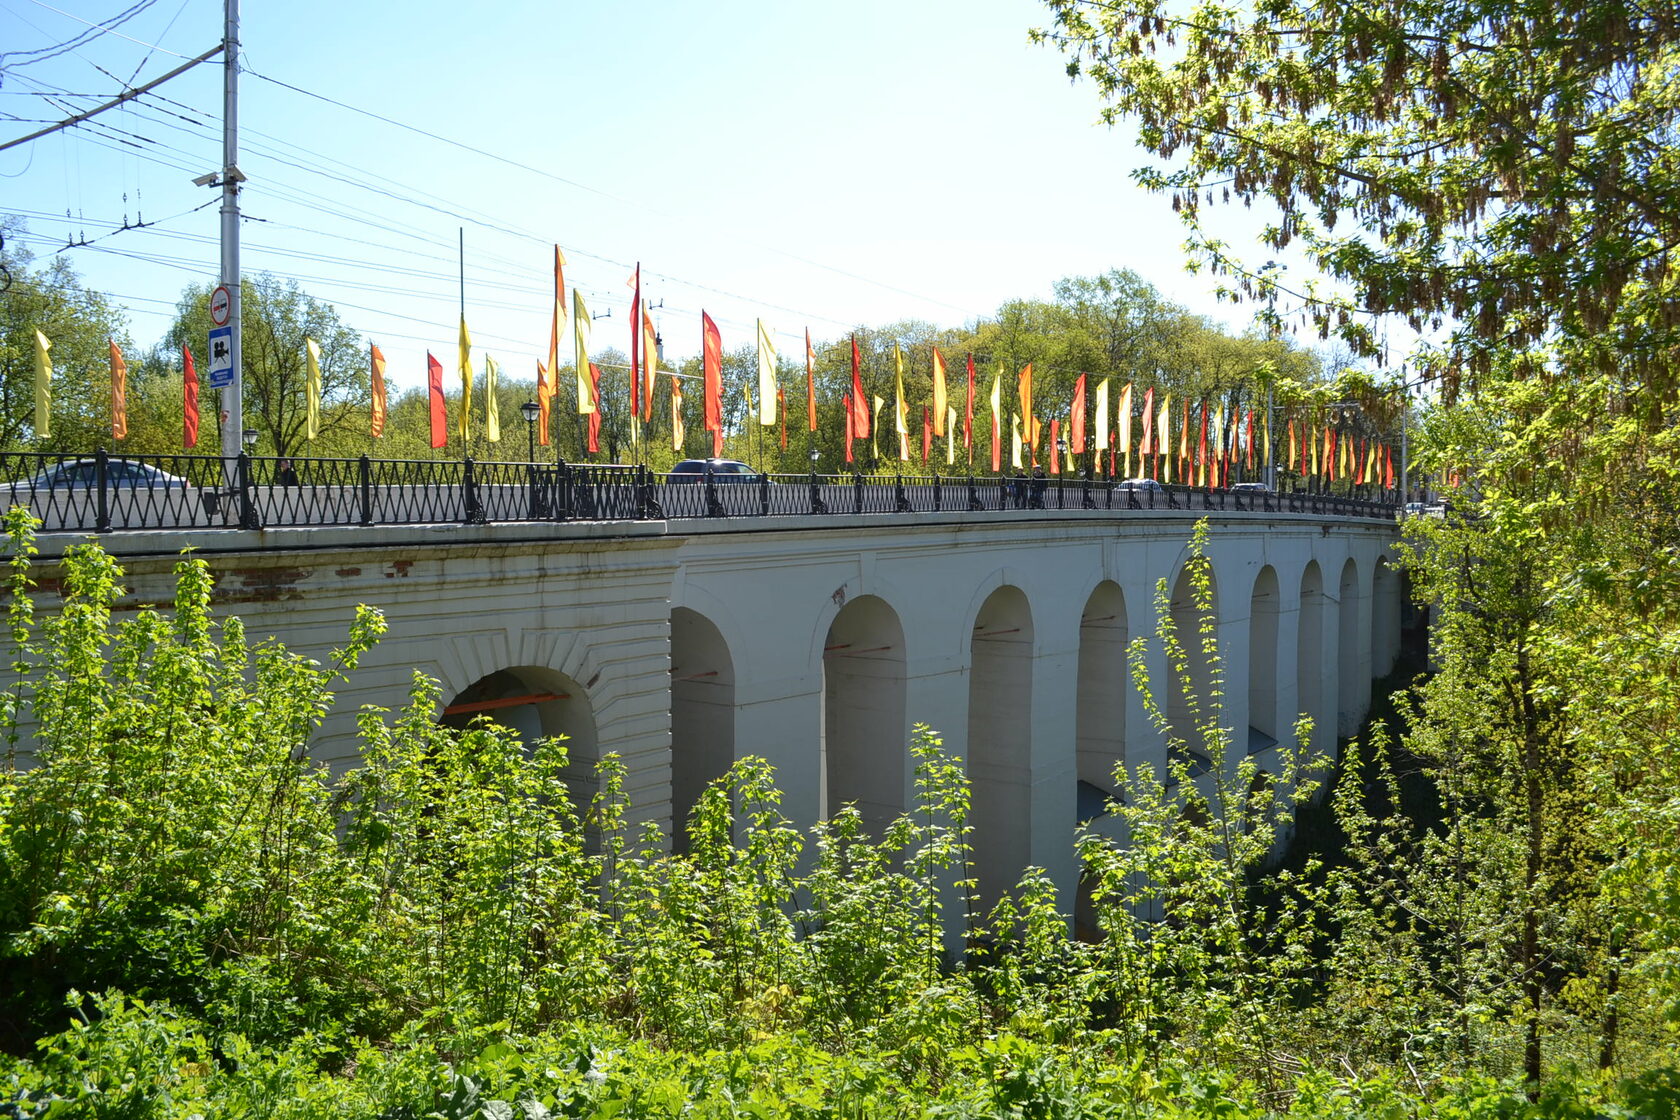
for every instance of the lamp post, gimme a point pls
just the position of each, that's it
(531, 410)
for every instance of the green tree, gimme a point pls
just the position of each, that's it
(80, 324)
(276, 317)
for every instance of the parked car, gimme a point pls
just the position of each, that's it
(84, 473)
(723, 470)
(1252, 487)
(1144, 484)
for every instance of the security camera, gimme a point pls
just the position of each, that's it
(207, 180)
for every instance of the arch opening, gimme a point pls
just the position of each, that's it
(1191, 702)
(1309, 650)
(862, 742)
(1000, 740)
(536, 702)
(1100, 711)
(1352, 680)
(702, 714)
(1263, 605)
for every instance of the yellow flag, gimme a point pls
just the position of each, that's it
(492, 421)
(1266, 437)
(677, 432)
(950, 435)
(1163, 430)
(43, 387)
(766, 376)
(901, 411)
(119, 393)
(1102, 415)
(312, 385)
(940, 400)
(1125, 420)
(376, 364)
(465, 366)
(1015, 440)
(580, 340)
(875, 427)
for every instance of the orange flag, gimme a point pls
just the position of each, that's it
(189, 400)
(547, 385)
(677, 433)
(119, 393)
(1148, 445)
(595, 399)
(650, 364)
(1024, 389)
(377, 361)
(968, 414)
(810, 383)
(1055, 437)
(545, 400)
(711, 346)
(927, 434)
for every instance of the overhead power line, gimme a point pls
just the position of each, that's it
(121, 98)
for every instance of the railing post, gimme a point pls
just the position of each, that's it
(714, 508)
(901, 504)
(764, 495)
(365, 469)
(562, 490)
(857, 491)
(472, 511)
(973, 495)
(247, 507)
(102, 513)
(817, 503)
(936, 494)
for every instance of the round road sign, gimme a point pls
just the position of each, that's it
(219, 306)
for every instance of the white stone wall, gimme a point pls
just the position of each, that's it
(594, 602)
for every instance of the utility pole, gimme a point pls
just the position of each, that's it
(233, 405)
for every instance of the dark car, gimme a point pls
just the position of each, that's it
(723, 470)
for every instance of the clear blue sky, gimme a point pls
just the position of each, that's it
(820, 166)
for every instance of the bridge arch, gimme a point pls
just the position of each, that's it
(1385, 619)
(1000, 714)
(864, 728)
(1264, 727)
(535, 702)
(1103, 689)
(1352, 678)
(702, 713)
(1309, 653)
(1191, 692)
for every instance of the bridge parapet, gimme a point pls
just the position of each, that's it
(102, 493)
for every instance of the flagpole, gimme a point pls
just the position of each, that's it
(461, 263)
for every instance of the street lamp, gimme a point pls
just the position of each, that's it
(815, 456)
(248, 437)
(531, 410)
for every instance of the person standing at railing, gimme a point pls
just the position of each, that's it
(1039, 485)
(285, 474)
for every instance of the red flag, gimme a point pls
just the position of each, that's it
(968, 415)
(636, 344)
(595, 398)
(1201, 448)
(1076, 427)
(810, 383)
(927, 433)
(434, 395)
(1330, 454)
(711, 345)
(189, 400)
(860, 403)
(1388, 454)
(1055, 455)
(781, 413)
(848, 403)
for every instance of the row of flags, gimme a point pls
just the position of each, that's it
(1211, 438)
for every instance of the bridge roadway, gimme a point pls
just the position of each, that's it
(816, 641)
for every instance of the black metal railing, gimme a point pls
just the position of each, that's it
(108, 493)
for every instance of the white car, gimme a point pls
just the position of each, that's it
(84, 473)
